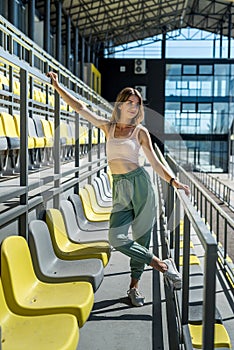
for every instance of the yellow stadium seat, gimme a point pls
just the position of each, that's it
(4, 82)
(66, 249)
(26, 295)
(31, 143)
(221, 340)
(93, 200)
(16, 87)
(193, 260)
(49, 332)
(47, 132)
(88, 210)
(64, 133)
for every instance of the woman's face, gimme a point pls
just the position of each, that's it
(130, 108)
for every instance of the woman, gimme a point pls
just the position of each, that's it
(133, 195)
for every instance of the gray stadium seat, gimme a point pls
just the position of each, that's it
(102, 200)
(104, 196)
(82, 222)
(49, 268)
(106, 184)
(74, 232)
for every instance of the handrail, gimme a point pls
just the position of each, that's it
(16, 35)
(178, 203)
(210, 210)
(216, 186)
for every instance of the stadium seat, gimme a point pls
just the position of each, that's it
(221, 340)
(13, 141)
(83, 139)
(88, 209)
(3, 149)
(49, 268)
(27, 295)
(43, 130)
(31, 142)
(106, 184)
(103, 189)
(66, 249)
(48, 332)
(69, 140)
(94, 203)
(82, 221)
(74, 232)
(102, 199)
(39, 142)
(4, 83)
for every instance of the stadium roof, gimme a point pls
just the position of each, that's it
(117, 22)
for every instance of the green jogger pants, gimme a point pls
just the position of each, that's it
(133, 206)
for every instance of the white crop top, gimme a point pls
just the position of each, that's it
(123, 148)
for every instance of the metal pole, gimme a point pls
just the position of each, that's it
(31, 19)
(58, 30)
(23, 219)
(47, 26)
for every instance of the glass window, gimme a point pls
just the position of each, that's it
(189, 69)
(204, 107)
(173, 69)
(221, 69)
(206, 85)
(188, 107)
(206, 69)
(221, 86)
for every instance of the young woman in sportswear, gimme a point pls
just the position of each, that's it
(133, 194)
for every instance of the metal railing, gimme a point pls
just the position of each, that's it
(24, 50)
(179, 207)
(18, 198)
(216, 186)
(218, 223)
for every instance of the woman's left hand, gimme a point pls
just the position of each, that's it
(182, 186)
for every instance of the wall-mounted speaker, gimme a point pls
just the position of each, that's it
(139, 66)
(142, 90)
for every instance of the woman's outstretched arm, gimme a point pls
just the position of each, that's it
(159, 168)
(77, 105)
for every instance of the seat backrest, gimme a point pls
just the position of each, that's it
(32, 128)
(63, 129)
(69, 217)
(98, 185)
(9, 125)
(46, 128)
(89, 188)
(84, 195)
(106, 184)
(71, 129)
(38, 125)
(79, 210)
(3, 140)
(4, 310)
(57, 228)
(41, 247)
(16, 268)
(31, 142)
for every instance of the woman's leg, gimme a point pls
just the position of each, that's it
(145, 211)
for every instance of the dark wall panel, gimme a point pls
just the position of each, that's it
(120, 73)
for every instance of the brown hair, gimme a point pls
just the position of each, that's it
(123, 96)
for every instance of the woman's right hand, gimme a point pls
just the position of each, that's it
(54, 79)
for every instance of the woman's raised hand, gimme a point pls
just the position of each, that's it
(54, 78)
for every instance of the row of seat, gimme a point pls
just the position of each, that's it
(52, 277)
(39, 94)
(40, 141)
(196, 284)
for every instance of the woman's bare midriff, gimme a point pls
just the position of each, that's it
(122, 166)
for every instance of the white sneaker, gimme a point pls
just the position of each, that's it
(173, 274)
(137, 299)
